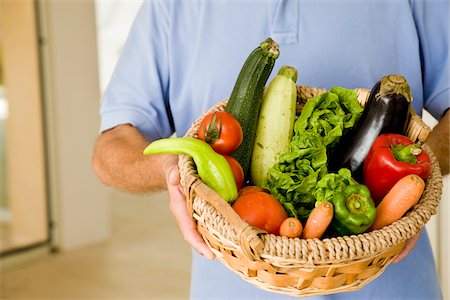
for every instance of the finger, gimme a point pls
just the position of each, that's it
(189, 230)
(409, 245)
(186, 224)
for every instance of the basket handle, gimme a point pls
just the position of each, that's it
(248, 236)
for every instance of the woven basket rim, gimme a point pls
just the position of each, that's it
(282, 251)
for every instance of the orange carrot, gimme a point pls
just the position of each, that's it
(291, 227)
(402, 196)
(318, 221)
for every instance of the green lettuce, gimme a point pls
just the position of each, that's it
(332, 183)
(294, 179)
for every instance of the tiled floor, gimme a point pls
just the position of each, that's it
(146, 258)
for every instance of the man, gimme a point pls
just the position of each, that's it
(182, 57)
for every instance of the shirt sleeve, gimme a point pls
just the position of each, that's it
(432, 23)
(137, 93)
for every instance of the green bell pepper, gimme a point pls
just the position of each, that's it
(354, 210)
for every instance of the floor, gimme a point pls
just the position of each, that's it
(146, 258)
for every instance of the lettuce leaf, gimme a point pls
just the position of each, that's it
(300, 177)
(332, 183)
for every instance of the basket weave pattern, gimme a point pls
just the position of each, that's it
(304, 267)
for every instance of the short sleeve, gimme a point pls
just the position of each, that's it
(137, 93)
(432, 22)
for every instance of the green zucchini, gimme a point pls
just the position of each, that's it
(275, 123)
(245, 100)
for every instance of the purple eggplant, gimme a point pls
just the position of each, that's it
(386, 111)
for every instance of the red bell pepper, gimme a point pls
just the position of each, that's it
(391, 157)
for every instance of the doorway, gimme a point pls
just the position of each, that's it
(24, 220)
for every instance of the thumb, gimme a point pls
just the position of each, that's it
(173, 176)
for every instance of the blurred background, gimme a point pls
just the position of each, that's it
(62, 234)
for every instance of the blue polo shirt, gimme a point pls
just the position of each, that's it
(182, 57)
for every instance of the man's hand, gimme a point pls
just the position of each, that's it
(119, 163)
(409, 245)
(177, 205)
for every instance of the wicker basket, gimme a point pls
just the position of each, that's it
(304, 267)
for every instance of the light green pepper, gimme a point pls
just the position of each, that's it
(212, 167)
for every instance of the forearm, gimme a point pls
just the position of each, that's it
(118, 161)
(438, 140)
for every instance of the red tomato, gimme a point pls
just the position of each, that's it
(221, 131)
(261, 210)
(238, 172)
(251, 188)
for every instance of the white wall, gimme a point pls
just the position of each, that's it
(114, 19)
(80, 205)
